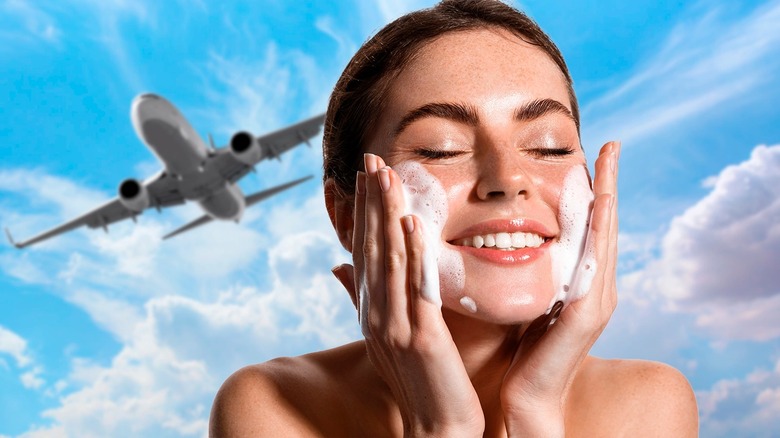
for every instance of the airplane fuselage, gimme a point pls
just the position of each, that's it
(169, 136)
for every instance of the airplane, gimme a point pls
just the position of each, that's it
(191, 170)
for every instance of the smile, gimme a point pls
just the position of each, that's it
(503, 241)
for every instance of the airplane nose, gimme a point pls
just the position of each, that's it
(144, 96)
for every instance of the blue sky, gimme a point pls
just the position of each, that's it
(121, 335)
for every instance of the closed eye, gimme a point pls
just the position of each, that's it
(437, 154)
(550, 152)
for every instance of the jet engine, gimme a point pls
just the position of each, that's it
(245, 148)
(133, 195)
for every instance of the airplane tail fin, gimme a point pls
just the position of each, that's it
(265, 194)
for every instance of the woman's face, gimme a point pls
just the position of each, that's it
(480, 123)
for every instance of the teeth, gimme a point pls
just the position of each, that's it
(504, 241)
(518, 240)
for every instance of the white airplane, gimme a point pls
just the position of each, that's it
(191, 170)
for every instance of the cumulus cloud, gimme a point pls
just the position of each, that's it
(163, 381)
(749, 406)
(719, 258)
(180, 338)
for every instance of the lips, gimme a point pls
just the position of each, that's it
(504, 241)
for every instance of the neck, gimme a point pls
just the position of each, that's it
(487, 351)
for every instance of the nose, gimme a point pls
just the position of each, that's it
(502, 174)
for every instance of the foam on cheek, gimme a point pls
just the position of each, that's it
(573, 259)
(425, 198)
(469, 304)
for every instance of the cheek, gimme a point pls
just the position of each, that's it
(574, 207)
(426, 198)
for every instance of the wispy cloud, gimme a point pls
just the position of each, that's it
(703, 64)
(15, 346)
(35, 23)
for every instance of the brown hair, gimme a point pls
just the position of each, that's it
(357, 98)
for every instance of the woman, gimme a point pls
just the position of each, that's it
(455, 177)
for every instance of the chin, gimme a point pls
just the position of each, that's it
(506, 298)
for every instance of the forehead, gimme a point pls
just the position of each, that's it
(491, 69)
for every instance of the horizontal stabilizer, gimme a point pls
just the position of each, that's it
(11, 239)
(259, 196)
(196, 223)
(250, 200)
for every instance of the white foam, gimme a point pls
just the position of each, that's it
(425, 198)
(468, 304)
(573, 261)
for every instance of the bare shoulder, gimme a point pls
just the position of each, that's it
(288, 396)
(635, 398)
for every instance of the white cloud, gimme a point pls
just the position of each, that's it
(36, 23)
(703, 64)
(719, 258)
(31, 379)
(180, 337)
(742, 407)
(15, 346)
(163, 381)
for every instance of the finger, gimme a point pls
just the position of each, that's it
(394, 248)
(610, 299)
(374, 243)
(589, 275)
(605, 165)
(345, 274)
(359, 277)
(592, 266)
(539, 327)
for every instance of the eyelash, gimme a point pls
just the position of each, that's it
(437, 154)
(551, 152)
(540, 152)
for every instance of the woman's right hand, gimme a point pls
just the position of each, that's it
(407, 339)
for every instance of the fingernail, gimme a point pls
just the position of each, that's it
(408, 224)
(618, 146)
(557, 309)
(360, 183)
(384, 178)
(612, 157)
(369, 162)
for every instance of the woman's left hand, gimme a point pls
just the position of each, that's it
(535, 388)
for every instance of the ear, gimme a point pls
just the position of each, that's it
(340, 211)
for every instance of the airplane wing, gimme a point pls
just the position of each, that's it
(163, 192)
(276, 143)
(250, 200)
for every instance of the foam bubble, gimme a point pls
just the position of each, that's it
(573, 261)
(425, 198)
(468, 304)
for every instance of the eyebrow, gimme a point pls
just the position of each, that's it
(467, 114)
